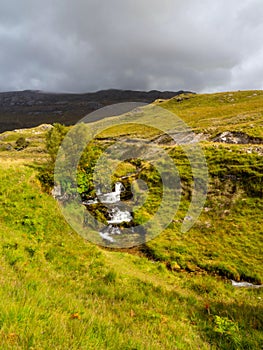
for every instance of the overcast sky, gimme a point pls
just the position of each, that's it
(88, 45)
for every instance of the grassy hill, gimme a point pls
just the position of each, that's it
(214, 113)
(59, 291)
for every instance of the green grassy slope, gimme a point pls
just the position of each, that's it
(59, 291)
(214, 113)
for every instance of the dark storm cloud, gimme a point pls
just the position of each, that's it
(86, 45)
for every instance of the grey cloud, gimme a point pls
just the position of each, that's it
(87, 45)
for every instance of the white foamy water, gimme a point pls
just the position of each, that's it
(110, 230)
(118, 216)
(106, 236)
(112, 197)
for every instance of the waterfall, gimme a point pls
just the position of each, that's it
(117, 216)
(119, 187)
(112, 197)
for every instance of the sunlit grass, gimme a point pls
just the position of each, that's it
(58, 291)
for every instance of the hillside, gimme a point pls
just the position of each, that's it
(60, 291)
(25, 109)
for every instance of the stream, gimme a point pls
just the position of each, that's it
(116, 212)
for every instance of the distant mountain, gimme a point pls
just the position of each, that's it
(28, 108)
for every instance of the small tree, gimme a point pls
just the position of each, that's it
(54, 139)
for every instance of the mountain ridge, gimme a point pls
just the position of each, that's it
(29, 108)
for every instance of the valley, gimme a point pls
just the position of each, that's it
(61, 291)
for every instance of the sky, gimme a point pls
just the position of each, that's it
(90, 45)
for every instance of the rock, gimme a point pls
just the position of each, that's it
(5, 147)
(237, 137)
(245, 285)
(56, 192)
(179, 138)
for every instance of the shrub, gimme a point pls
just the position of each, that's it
(21, 143)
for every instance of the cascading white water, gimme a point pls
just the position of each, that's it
(106, 236)
(118, 216)
(107, 198)
(118, 187)
(111, 230)
(112, 197)
(90, 201)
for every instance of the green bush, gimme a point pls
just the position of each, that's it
(21, 143)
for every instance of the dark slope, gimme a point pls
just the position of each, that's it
(24, 109)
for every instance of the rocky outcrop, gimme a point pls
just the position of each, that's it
(237, 137)
(179, 138)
